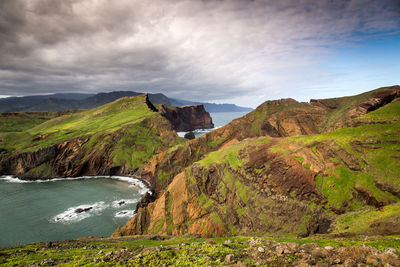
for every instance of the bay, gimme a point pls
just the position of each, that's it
(59, 209)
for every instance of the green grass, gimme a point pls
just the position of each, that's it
(379, 161)
(360, 222)
(299, 159)
(107, 118)
(22, 121)
(387, 113)
(230, 155)
(175, 251)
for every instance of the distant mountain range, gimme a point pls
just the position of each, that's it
(68, 101)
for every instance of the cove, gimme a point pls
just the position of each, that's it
(65, 208)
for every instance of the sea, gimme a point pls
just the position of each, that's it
(68, 208)
(219, 119)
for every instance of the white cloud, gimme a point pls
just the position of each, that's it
(198, 50)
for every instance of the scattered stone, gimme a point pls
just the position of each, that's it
(349, 263)
(293, 246)
(100, 252)
(372, 260)
(337, 261)
(252, 242)
(96, 260)
(391, 250)
(229, 258)
(279, 250)
(319, 253)
(329, 248)
(47, 262)
(286, 251)
(226, 242)
(261, 249)
(241, 264)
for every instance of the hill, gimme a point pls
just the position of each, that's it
(328, 166)
(114, 138)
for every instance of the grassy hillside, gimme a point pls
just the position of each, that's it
(277, 118)
(22, 121)
(223, 184)
(123, 133)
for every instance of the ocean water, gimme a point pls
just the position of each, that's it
(59, 209)
(219, 119)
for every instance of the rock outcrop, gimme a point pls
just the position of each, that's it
(250, 193)
(187, 118)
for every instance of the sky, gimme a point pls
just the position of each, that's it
(234, 51)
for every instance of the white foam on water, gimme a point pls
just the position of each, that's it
(71, 215)
(134, 182)
(123, 202)
(198, 132)
(124, 213)
(11, 179)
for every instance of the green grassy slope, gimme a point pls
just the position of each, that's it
(22, 121)
(125, 130)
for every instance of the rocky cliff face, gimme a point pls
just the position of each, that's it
(279, 163)
(187, 118)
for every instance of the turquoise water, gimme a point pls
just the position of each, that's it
(219, 119)
(49, 210)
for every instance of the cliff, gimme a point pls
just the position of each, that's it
(187, 118)
(309, 165)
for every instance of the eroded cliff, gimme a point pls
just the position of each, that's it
(299, 177)
(187, 118)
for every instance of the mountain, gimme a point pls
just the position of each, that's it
(328, 166)
(116, 138)
(71, 101)
(212, 107)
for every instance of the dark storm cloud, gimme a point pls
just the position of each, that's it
(199, 50)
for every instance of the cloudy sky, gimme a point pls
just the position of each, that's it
(235, 51)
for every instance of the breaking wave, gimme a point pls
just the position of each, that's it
(78, 213)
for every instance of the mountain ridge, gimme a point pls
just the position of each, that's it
(70, 101)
